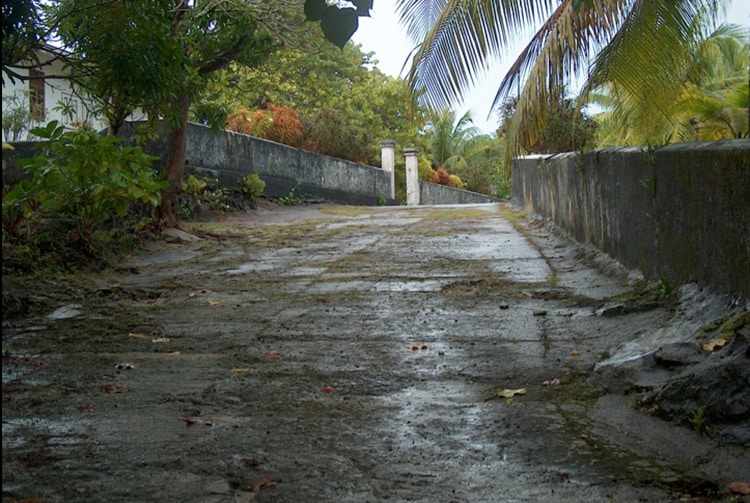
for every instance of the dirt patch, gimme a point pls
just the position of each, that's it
(326, 353)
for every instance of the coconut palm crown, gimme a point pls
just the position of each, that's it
(633, 43)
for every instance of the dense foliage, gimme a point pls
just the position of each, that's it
(345, 105)
(83, 192)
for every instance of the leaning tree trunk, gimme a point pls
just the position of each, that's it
(166, 214)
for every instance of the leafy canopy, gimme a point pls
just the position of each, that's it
(633, 42)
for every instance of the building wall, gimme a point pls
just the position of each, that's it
(680, 213)
(60, 102)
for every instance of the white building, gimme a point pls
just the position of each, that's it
(35, 102)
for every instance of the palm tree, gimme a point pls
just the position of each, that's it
(448, 137)
(711, 104)
(716, 100)
(630, 42)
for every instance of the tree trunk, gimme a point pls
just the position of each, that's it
(165, 215)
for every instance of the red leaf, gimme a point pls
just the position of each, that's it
(193, 421)
(327, 389)
(740, 488)
(115, 388)
(263, 484)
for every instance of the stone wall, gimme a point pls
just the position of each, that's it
(230, 156)
(680, 213)
(433, 193)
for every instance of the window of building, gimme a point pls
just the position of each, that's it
(36, 95)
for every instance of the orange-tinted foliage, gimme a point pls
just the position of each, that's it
(276, 123)
(442, 177)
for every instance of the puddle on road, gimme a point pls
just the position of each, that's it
(20, 432)
(523, 270)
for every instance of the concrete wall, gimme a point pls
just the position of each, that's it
(230, 156)
(433, 193)
(681, 212)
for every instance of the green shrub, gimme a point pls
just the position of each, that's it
(86, 177)
(200, 195)
(251, 187)
(83, 193)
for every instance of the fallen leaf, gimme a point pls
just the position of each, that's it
(37, 364)
(160, 340)
(124, 366)
(415, 347)
(714, 345)
(272, 353)
(214, 303)
(13, 359)
(553, 382)
(116, 388)
(192, 421)
(239, 371)
(138, 336)
(86, 409)
(263, 484)
(575, 352)
(740, 488)
(327, 389)
(202, 291)
(174, 353)
(509, 393)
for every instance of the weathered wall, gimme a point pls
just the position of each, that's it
(681, 212)
(230, 156)
(433, 193)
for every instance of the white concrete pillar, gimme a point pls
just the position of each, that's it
(411, 156)
(388, 162)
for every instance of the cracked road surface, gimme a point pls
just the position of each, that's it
(336, 354)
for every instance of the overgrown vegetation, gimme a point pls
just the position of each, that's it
(84, 197)
(87, 198)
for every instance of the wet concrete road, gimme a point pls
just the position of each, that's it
(341, 355)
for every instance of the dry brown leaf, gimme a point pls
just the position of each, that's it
(575, 352)
(160, 340)
(714, 345)
(264, 484)
(272, 353)
(214, 303)
(116, 388)
(742, 488)
(415, 347)
(137, 336)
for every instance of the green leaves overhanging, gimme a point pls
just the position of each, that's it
(338, 23)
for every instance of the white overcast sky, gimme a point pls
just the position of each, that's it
(382, 34)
